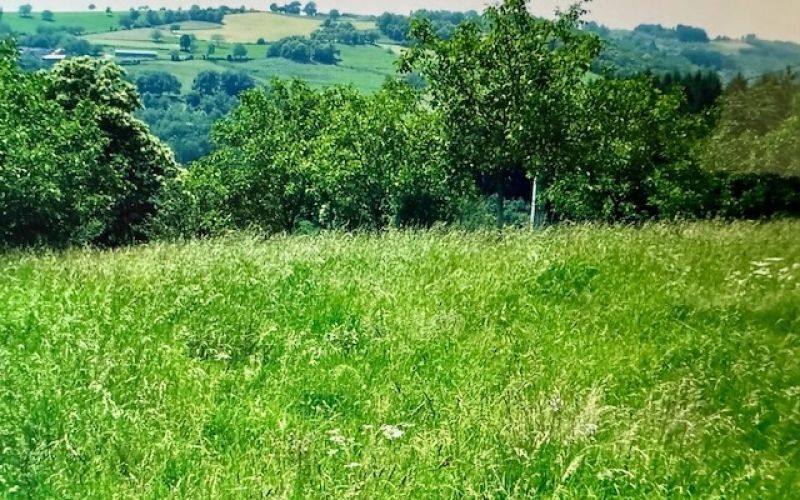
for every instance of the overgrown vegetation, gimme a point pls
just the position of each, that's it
(502, 101)
(393, 346)
(75, 166)
(184, 121)
(653, 362)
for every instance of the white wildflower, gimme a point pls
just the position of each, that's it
(352, 465)
(391, 432)
(555, 404)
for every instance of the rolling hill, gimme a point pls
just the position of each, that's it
(650, 47)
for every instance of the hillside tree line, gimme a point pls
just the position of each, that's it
(506, 99)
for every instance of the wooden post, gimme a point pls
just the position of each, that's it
(533, 205)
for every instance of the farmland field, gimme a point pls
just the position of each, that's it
(660, 361)
(364, 66)
(252, 26)
(91, 22)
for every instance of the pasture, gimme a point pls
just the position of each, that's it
(247, 28)
(91, 22)
(583, 361)
(365, 66)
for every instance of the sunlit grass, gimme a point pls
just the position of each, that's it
(653, 362)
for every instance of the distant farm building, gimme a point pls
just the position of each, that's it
(54, 56)
(135, 55)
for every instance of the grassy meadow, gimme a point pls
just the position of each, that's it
(366, 67)
(247, 28)
(91, 22)
(583, 361)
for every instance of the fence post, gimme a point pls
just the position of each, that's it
(533, 205)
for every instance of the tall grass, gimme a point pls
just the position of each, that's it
(589, 361)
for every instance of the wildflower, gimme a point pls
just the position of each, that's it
(555, 404)
(335, 437)
(591, 429)
(391, 432)
(352, 465)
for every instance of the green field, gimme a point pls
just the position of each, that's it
(91, 22)
(578, 362)
(248, 28)
(365, 66)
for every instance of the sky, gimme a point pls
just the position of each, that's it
(770, 19)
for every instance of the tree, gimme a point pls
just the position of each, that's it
(109, 12)
(211, 49)
(234, 83)
(206, 82)
(333, 157)
(325, 54)
(691, 34)
(508, 93)
(47, 15)
(334, 14)
(153, 18)
(141, 160)
(273, 7)
(158, 83)
(92, 6)
(310, 9)
(758, 131)
(77, 167)
(239, 51)
(293, 8)
(25, 10)
(186, 42)
(156, 36)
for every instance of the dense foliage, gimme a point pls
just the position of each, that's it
(485, 110)
(75, 166)
(396, 27)
(345, 33)
(184, 121)
(304, 50)
(509, 93)
(333, 158)
(145, 18)
(759, 128)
